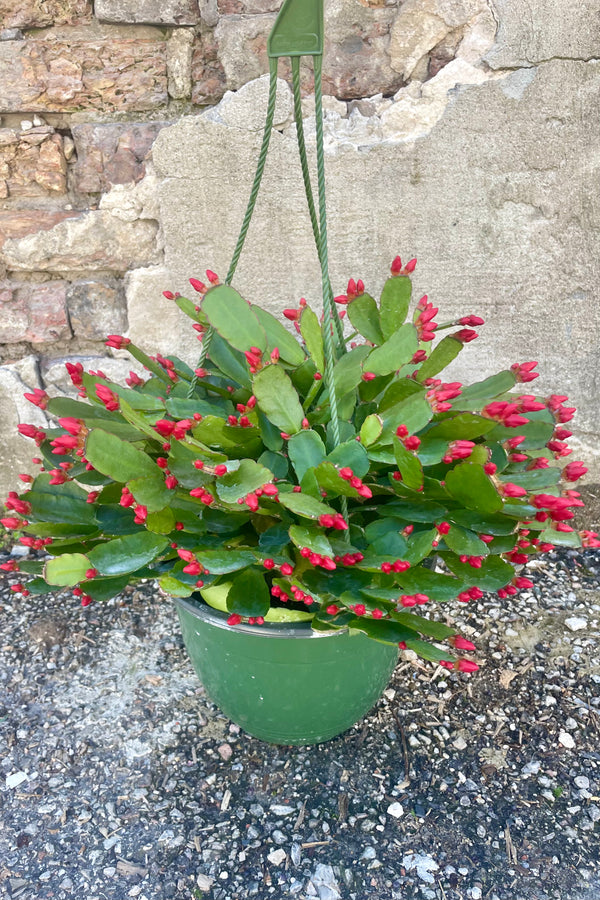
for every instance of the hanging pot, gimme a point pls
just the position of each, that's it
(285, 683)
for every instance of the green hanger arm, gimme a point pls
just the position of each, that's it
(298, 29)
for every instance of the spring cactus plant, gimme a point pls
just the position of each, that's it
(228, 480)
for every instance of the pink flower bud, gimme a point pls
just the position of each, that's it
(465, 335)
(292, 314)
(39, 398)
(212, 277)
(574, 471)
(234, 619)
(465, 665)
(410, 266)
(286, 569)
(117, 341)
(471, 321)
(332, 609)
(368, 376)
(221, 469)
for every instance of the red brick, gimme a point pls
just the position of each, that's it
(33, 312)
(111, 154)
(41, 13)
(59, 76)
(20, 222)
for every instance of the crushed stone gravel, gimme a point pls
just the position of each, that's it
(120, 779)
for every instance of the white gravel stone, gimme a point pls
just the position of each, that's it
(276, 857)
(566, 740)
(576, 623)
(281, 810)
(14, 780)
(396, 810)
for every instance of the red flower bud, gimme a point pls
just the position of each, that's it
(396, 266)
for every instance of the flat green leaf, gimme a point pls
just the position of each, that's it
(312, 538)
(303, 505)
(383, 630)
(248, 594)
(310, 330)
(396, 352)
(482, 392)
(127, 553)
(347, 372)
(535, 479)
(229, 361)
(64, 504)
(102, 589)
(277, 398)
(462, 541)
(471, 487)
(493, 574)
(235, 485)
(151, 492)
(423, 511)
(277, 463)
(409, 466)
(60, 529)
(116, 458)
(436, 630)
(67, 570)
(220, 562)
(464, 426)
(364, 316)
(277, 336)
(414, 412)
(371, 430)
(440, 357)
(234, 441)
(395, 299)
(536, 434)
(480, 523)
(174, 587)
(233, 318)
(438, 587)
(419, 546)
(398, 391)
(350, 454)
(185, 407)
(162, 522)
(330, 480)
(306, 450)
(429, 651)
(561, 538)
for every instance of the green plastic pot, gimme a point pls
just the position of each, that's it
(282, 683)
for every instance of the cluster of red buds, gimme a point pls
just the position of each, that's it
(353, 290)
(251, 500)
(39, 398)
(465, 335)
(398, 269)
(410, 441)
(316, 559)
(399, 565)
(204, 496)
(176, 430)
(108, 397)
(440, 393)
(335, 521)
(349, 559)
(30, 431)
(523, 372)
(348, 475)
(407, 600)
(505, 412)
(117, 341)
(424, 322)
(300, 596)
(458, 449)
(461, 665)
(254, 359)
(473, 593)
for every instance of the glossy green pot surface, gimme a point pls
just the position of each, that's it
(285, 684)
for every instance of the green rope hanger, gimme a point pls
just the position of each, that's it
(298, 31)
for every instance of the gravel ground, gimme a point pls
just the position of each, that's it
(120, 779)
